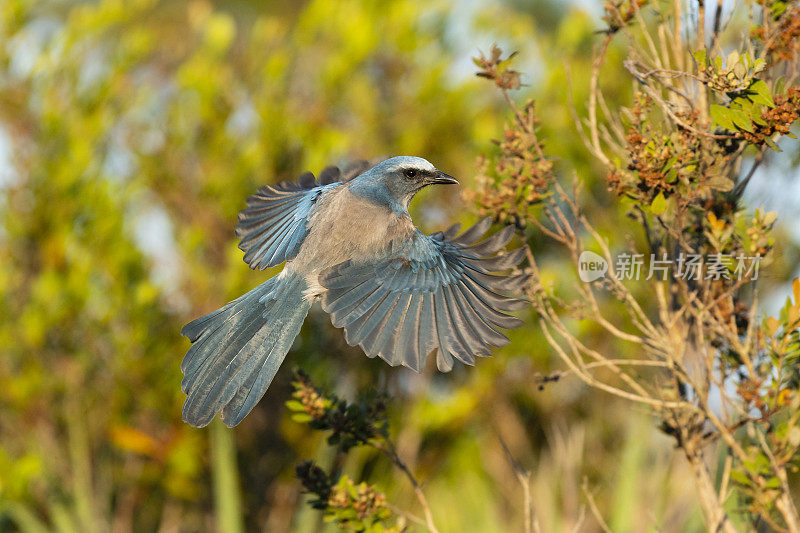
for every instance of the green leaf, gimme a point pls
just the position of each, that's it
(719, 182)
(779, 85)
(771, 324)
(294, 405)
(796, 290)
(777, 9)
(755, 115)
(700, 58)
(741, 120)
(761, 93)
(302, 417)
(769, 142)
(502, 65)
(722, 116)
(744, 104)
(672, 175)
(659, 204)
(740, 477)
(731, 60)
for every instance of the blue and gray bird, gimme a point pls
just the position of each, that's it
(398, 293)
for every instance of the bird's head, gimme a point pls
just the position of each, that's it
(395, 181)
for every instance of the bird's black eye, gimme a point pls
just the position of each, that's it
(409, 172)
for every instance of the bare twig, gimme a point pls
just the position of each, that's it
(632, 68)
(389, 450)
(405, 514)
(784, 502)
(524, 479)
(716, 518)
(593, 506)
(593, 89)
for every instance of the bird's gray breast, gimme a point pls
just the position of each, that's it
(346, 227)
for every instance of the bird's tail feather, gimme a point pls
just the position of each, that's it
(237, 350)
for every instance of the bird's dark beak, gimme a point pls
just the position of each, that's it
(442, 178)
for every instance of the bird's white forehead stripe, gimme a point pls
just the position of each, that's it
(396, 163)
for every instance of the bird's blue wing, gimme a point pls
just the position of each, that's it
(428, 292)
(275, 222)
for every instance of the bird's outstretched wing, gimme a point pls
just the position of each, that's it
(429, 292)
(275, 222)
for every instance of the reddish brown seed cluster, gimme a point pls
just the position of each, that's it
(495, 68)
(783, 43)
(619, 14)
(520, 176)
(778, 119)
(665, 162)
(362, 498)
(313, 402)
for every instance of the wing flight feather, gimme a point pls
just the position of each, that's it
(438, 292)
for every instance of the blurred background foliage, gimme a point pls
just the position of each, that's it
(130, 134)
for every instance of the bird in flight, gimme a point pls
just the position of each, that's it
(398, 293)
